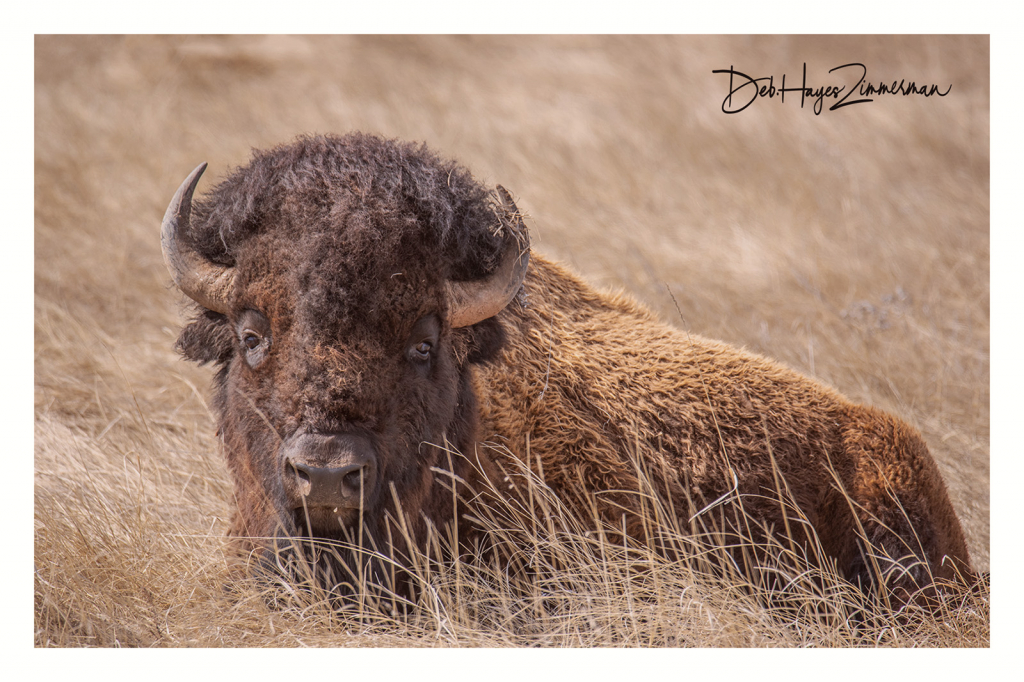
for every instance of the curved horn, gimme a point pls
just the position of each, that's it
(471, 302)
(206, 283)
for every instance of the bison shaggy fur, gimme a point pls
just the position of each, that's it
(337, 328)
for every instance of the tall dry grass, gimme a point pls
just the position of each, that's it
(851, 245)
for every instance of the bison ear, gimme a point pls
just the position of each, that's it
(487, 339)
(208, 338)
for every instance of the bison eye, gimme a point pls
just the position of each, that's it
(251, 340)
(422, 341)
(254, 334)
(421, 351)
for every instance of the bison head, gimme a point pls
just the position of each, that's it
(345, 287)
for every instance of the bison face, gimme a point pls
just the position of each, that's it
(338, 390)
(344, 341)
(325, 411)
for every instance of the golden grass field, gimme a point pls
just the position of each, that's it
(853, 246)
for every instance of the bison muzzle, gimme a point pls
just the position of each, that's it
(329, 471)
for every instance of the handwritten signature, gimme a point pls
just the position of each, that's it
(749, 89)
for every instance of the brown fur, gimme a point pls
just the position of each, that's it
(343, 244)
(593, 380)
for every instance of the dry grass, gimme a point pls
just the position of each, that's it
(853, 246)
(541, 579)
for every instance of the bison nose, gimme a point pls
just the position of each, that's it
(333, 486)
(332, 470)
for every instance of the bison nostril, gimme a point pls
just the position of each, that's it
(354, 479)
(305, 484)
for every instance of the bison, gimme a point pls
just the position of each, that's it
(372, 309)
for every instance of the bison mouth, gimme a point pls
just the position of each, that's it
(334, 523)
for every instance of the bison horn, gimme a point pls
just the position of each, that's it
(472, 302)
(206, 283)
